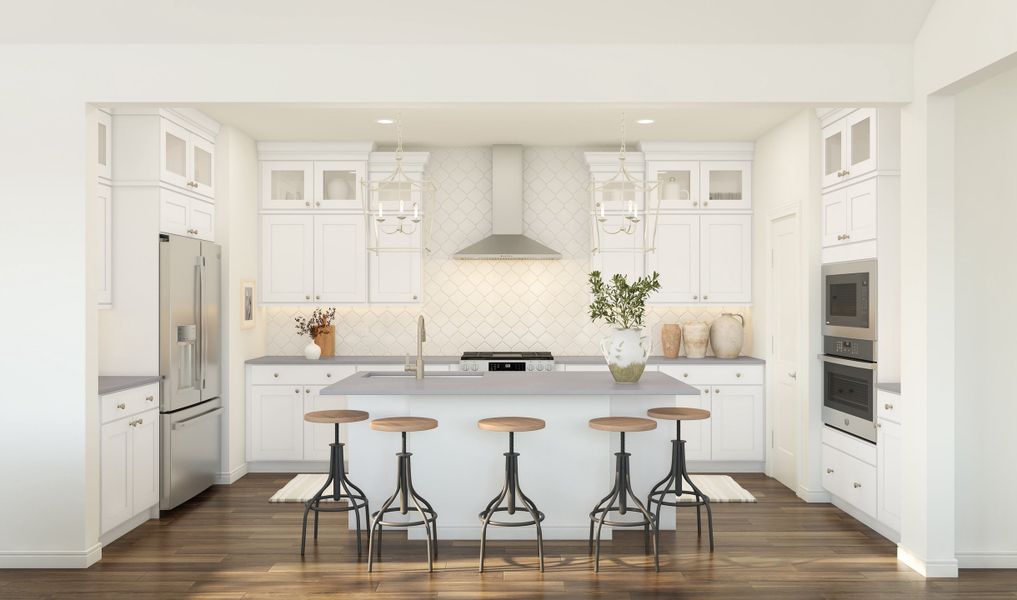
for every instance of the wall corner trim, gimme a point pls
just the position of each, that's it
(927, 568)
(231, 477)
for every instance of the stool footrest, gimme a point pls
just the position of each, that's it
(483, 515)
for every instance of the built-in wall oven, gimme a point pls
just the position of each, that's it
(849, 386)
(849, 299)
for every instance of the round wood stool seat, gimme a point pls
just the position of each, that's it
(678, 413)
(404, 424)
(336, 416)
(623, 424)
(511, 424)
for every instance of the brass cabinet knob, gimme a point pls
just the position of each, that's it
(307, 391)
(317, 297)
(829, 470)
(857, 485)
(738, 374)
(307, 297)
(695, 297)
(695, 203)
(149, 398)
(317, 203)
(296, 391)
(122, 406)
(685, 374)
(328, 374)
(888, 406)
(705, 297)
(716, 391)
(275, 375)
(705, 202)
(307, 203)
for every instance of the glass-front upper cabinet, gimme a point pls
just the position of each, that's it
(833, 153)
(104, 141)
(175, 140)
(725, 184)
(338, 184)
(860, 129)
(202, 159)
(287, 185)
(677, 184)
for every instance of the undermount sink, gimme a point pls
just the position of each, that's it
(439, 374)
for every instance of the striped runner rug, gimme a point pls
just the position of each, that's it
(718, 488)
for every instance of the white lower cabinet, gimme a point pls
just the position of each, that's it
(115, 463)
(128, 455)
(318, 437)
(697, 434)
(889, 468)
(849, 470)
(277, 423)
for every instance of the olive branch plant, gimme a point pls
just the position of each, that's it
(620, 303)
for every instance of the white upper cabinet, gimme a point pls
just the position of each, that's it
(833, 153)
(860, 133)
(726, 184)
(338, 184)
(677, 184)
(859, 142)
(202, 161)
(287, 185)
(340, 259)
(187, 159)
(850, 213)
(395, 276)
(726, 258)
(287, 258)
(676, 258)
(104, 146)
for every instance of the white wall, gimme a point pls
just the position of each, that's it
(236, 195)
(986, 279)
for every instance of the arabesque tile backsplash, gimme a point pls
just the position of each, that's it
(494, 305)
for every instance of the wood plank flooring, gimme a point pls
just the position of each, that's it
(230, 543)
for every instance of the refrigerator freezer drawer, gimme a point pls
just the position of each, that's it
(191, 452)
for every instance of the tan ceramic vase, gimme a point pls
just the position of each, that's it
(727, 334)
(697, 336)
(326, 340)
(671, 339)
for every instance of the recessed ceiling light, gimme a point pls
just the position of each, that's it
(386, 121)
(645, 121)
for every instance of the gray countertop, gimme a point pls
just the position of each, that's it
(449, 360)
(893, 388)
(511, 384)
(118, 383)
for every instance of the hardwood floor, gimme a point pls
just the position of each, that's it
(231, 543)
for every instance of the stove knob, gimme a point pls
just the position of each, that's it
(529, 366)
(473, 367)
(463, 366)
(540, 366)
(548, 366)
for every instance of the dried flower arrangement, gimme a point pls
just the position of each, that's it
(319, 319)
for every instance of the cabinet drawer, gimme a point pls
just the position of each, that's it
(850, 479)
(888, 406)
(129, 402)
(299, 374)
(850, 445)
(715, 374)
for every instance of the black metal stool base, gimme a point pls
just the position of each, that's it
(672, 485)
(341, 486)
(617, 500)
(513, 495)
(407, 496)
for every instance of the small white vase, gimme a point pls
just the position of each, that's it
(312, 351)
(626, 352)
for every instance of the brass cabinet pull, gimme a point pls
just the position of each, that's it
(857, 485)
(888, 406)
(122, 406)
(829, 470)
(150, 398)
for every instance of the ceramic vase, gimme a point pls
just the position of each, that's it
(626, 352)
(671, 339)
(697, 336)
(325, 339)
(312, 351)
(727, 334)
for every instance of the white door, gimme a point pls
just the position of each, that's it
(861, 207)
(277, 422)
(340, 259)
(860, 131)
(115, 475)
(889, 469)
(318, 437)
(174, 213)
(145, 460)
(395, 276)
(202, 219)
(726, 258)
(287, 258)
(104, 256)
(202, 162)
(737, 416)
(677, 184)
(785, 296)
(835, 217)
(337, 185)
(725, 184)
(833, 153)
(175, 154)
(676, 257)
(287, 185)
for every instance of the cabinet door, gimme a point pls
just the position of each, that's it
(695, 433)
(202, 219)
(861, 211)
(676, 258)
(144, 460)
(835, 217)
(115, 465)
(860, 133)
(726, 258)
(340, 259)
(104, 149)
(834, 146)
(395, 276)
(319, 436)
(104, 256)
(202, 162)
(287, 185)
(175, 154)
(725, 184)
(277, 422)
(174, 213)
(889, 467)
(677, 185)
(338, 184)
(287, 258)
(737, 428)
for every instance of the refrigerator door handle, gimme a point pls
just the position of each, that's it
(199, 318)
(202, 341)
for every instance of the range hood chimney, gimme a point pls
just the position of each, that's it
(507, 240)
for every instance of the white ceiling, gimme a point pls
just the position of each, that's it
(464, 21)
(587, 125)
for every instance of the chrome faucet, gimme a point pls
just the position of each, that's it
(418, 368)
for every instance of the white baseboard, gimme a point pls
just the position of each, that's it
(819, 496)
(987, 560)
(63, 559)
(231, 477)
(283, 466)
(865, 519)
(111, 536)
(724, 466)
(927, 568)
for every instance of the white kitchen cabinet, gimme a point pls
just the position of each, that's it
(889, 470)
(849, 470)
(338, 184)
(187, 159)
(726, 258)
(287, 185)
(287, 258)
(340, 257)
(115, 464)
(104, 256)
(833, 153)
(850, 213)
(676, 257)
(859, 142)
(145, 459)
(725, 184)
(276, 423)
(395, 276)
(104, 146)
(128, 455)
(737, 431)
(677, 185)
(318, 437)
(698, 434)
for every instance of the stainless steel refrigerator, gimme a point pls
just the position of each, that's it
(189, 361)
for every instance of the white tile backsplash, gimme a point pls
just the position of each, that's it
(494, 305)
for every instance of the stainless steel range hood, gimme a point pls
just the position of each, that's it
(507, 240)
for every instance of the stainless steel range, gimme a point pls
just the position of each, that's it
(506, 361)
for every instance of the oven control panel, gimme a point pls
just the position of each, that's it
(850, 348)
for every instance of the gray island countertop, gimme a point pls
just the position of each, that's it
(510, 384)
(118, 383)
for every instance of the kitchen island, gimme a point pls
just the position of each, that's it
(565, 468)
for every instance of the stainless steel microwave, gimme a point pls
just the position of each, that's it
(849, 299)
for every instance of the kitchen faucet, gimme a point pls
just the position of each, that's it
(418, 368)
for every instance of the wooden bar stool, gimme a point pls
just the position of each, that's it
(405, 492)
(622, 492)
(511, 493)
(672, 483)
(337, 478)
